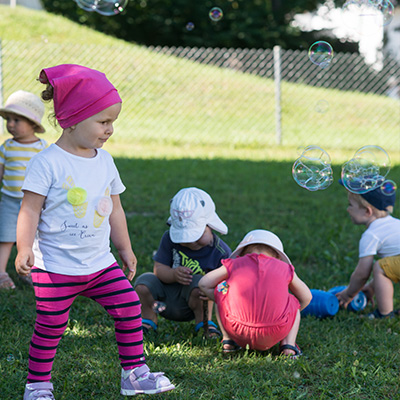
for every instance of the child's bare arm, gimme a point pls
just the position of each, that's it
(28, 220)
(357, 280)
(167, 274)
(210, 280)
(120, 237)
(301, 291)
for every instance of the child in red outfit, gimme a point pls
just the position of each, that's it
(251, 290)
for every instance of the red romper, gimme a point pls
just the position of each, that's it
(255, 305)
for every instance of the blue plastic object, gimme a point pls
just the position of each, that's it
(357, 304)
(322, 305)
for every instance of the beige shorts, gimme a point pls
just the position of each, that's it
(391, 267)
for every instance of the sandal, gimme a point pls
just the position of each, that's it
(152, 326)
(377, 315)
(213, 331)
(295, 348)
(5, 281)
(233, 346)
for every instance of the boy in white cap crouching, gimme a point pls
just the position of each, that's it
(187, 251)
(251, 291)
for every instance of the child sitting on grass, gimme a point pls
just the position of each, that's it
(186, 252)
(382, 239)
(251, 291)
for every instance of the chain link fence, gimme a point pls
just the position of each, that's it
(228, 97)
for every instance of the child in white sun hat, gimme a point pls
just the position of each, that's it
(23, 112)
(188, 250)
(251, 291)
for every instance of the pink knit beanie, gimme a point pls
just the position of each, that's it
(79, 92)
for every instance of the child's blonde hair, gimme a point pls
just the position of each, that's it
(364, 203)
(260, 248)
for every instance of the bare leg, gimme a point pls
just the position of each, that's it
(5, 252)
(291, 337)
(196, 305)
(383, 290)
(147, 301)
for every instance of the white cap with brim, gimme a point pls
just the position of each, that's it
(191, 210)
(27, 105)
(261, 236)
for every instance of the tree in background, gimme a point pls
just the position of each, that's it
(245, 23)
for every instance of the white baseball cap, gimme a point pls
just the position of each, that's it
(264, 237)
(27, 105)
(191, 210)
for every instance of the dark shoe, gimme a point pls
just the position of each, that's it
(213, 330)
(296, 349)
(377, 315)
(229, 346)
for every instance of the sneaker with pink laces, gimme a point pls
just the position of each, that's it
(39, 391)
(141, 381)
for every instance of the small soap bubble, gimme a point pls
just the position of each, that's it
(216, 14)
(296, 375)
(322, 106)
(321, 53)
(389, 187)
(159, 307)
(10, 358)
(189, 26)
(312, 170)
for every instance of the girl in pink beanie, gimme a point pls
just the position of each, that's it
(70, 210)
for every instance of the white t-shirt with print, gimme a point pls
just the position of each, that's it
(73, 238)
(382, 238)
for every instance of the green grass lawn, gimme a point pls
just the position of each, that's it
(167, 99)
(346, 357)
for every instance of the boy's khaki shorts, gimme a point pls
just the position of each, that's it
(391, 267)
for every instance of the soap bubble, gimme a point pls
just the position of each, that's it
(103, 7)
(321, 53)
(159, 307)
(388, 187)
(366, 17)
(367, 169)
(10, 358)
(111, 7)
(216, 14)
(322, 106)
(312, 170)
(190, 26)
(87, 5)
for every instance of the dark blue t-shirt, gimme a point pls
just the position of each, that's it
(199, 261)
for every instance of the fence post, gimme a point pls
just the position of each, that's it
(277, 78)
(1, 87)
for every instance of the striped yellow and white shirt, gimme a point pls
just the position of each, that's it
(15, 156)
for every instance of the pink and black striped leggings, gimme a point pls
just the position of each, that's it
(55, 294)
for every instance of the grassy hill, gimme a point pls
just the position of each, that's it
(181, 108)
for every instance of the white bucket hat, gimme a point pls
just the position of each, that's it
(25, 104)
(264, 237)
(191, 211)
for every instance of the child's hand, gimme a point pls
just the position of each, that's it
(203, 296)
(183, 275)
(24, 262)
(129, 262)
(344, 298)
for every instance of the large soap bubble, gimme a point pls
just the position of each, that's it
(312, 170)
(367, 169)
(364, 16)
